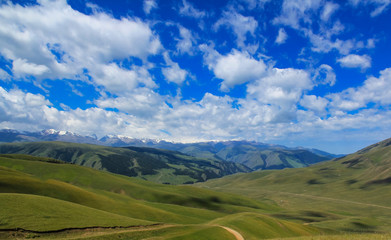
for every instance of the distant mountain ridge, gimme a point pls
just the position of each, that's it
(157, 165)
(252, 154)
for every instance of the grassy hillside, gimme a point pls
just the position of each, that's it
(44, 197)
(156, 165)
(52, 214)
(351, 193)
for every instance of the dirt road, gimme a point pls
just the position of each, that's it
(235, 233)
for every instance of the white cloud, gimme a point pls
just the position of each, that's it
(281, 87)
(17, 107)
(119, 81)
(185, 44)
(314, 20)
(355, 61)
(189, 10)
(374, 90)
(323, 44)
(281, 37)
(142, 103)
(4, 75)
(173, 73)
(22, 68)
(52, 40)
(295, 12)
(149, 5)
(324, 75)
(328, 9)
(314, 103)
(241, 26)
(380, 5)
(237, 68)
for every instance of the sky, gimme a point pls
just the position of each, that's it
(310, 73)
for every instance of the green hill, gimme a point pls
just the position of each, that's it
(162, 166)
(48, 198)
(350, 193)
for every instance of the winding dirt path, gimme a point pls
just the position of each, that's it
(237, 235)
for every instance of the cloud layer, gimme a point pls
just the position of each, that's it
(197, 74)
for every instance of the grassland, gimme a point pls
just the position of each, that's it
(346, 198)
(51, 199)
(348, 194)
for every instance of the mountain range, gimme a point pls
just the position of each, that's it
(253, 155)
(158, 165)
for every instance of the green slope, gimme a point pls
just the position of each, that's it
(52, 214)
(156, 165)
(266, 226)
(350, 193)
(45, 195)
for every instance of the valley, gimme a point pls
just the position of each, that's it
(49, 196)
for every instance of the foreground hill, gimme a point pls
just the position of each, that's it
(156, 165)
(349, 193)
(50, 199)
(252, 154)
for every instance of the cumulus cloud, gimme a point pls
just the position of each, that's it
(241, 25)
(17, 107)
(118, 80)
(355, 61)
(281, 87)
(52, 40)
(281, 37)
(23, 68)
(314, 103)
(142, 102)
(237, 68)
(374, 90)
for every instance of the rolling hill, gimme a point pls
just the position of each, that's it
(349, 193)
(50, 199)
(162, 166)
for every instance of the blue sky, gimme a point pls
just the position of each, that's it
(299, 73)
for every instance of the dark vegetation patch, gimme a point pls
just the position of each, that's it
(117, 164)
(314, 181)
(351, 181)
(355, 162)
(315, 214)
(381, 181)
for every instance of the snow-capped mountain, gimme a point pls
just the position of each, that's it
(8, 135)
